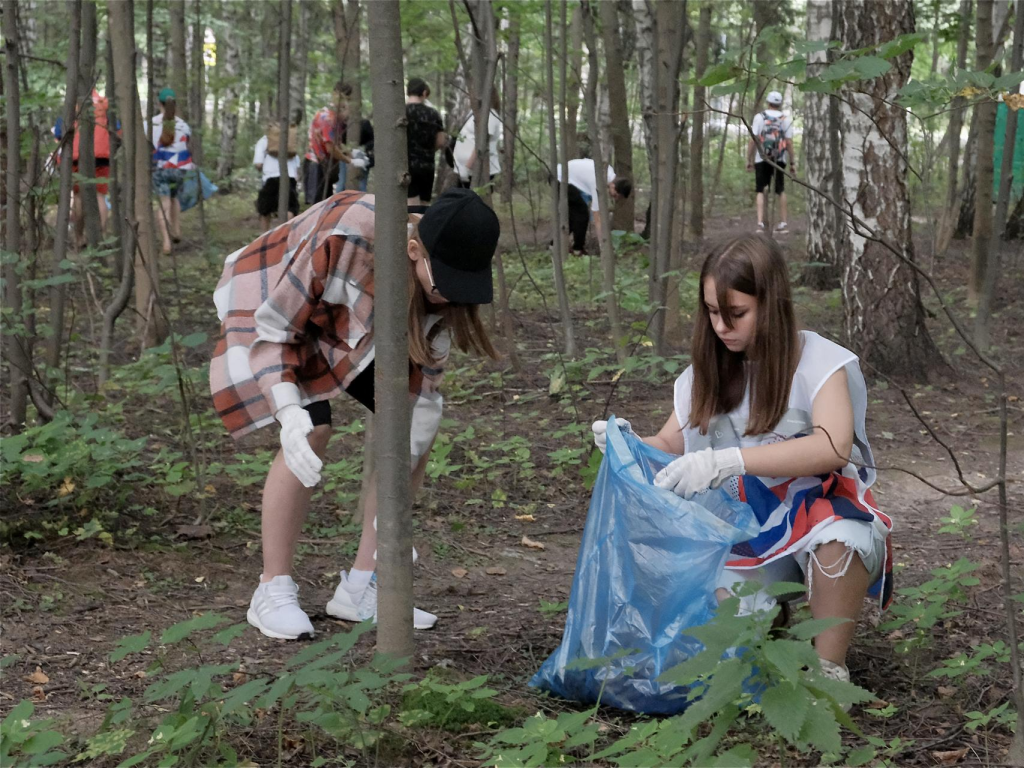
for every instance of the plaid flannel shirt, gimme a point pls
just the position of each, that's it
(296, 312)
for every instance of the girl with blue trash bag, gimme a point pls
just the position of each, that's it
(776, 417)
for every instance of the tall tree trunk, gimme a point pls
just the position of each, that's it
(151, 320)
(604, 201)
(178, 64)
(622, 135)
(197, 91)
(300, 71)
(283, 97)
(510, 108)
(484, 66)
(699, 118)
(230, 55)
(826, 230)
(391, 381)
(575, 65)
(984, 257)
(87, 125)
(58, 294)
(117, 161)
(16, 345)
(1010, 137)
(559, 191)
(149, 111)
(670, 17)
(884, 317)
(964, 221)
(645, 50)
(347, 14)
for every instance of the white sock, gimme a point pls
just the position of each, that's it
(357, 580)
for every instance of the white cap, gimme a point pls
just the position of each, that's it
(774, 97)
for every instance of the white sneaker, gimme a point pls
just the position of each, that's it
(781, 227)
(834, 671)
(350, 604)
(274, 610)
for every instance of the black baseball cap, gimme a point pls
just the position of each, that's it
(460, 232)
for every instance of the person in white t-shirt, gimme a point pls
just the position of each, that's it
(465, 153)
(774, 131)
(265, 158)
(775, 417)
(583, 198)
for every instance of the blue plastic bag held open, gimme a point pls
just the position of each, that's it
(646, 572)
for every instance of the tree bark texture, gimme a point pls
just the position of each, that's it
(150, 317)
(391, 379)
(197, 83)
(883, 314)
(699, 118)
(670, 16)
(621, 130)
(984, 257)
(484, 65)
(16, 345)
(347, 20)
(87, 124)
(645, 50)
(510, 108)
(575, 85)
(229, 54)
(604, 200)
(826, 226)
(283, 99)
(58, 293)
(177, 65)
(1010, 137)
(299, 75)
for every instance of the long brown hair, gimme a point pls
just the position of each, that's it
(463, 320)
(751, 264)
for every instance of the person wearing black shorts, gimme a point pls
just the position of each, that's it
(425, 134)
(774, 131)
(265, 159)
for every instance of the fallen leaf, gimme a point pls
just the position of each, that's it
(68, 486)
(38, 677)
(495, 570)
(38, 693)
(200, 579)
(33, 458)
(140, 674)
(528, 542)
(950, 757)
(525, 518)
(194, 531)
(945, 691)
(460, 573)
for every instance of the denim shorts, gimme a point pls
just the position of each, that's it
(167, 181)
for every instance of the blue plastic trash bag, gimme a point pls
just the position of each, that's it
(188, 195)
(647, 568)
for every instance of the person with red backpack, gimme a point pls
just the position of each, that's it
(773, 147)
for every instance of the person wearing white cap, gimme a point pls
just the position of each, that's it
(774, 131)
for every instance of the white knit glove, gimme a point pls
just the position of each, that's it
(359, 159)
(298, 455)
(600, 429)
(699, 471)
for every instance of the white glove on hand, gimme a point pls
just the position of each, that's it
(600, 429)
(298, 455)
(359, 159)
(699, 471)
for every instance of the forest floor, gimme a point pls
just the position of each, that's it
(67, 603)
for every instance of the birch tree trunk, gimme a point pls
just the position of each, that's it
(575, 84)
(16, 345)
(230, 56)
(391, 379)
(884, 318)
(58, 293)
(604, 202)
(621, 130)
(645, 58)
(826, 227)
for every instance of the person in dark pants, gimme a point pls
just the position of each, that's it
(583, 198)
(425, 133)
(326, 146)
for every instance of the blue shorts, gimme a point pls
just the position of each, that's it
(167, 181)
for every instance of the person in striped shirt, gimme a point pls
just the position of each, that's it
(170, 136)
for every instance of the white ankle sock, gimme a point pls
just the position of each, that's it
(357, 580)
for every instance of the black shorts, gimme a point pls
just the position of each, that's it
(360, 389)
(266, 201)
(763, 173)
(469, 184)
(421, 184)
